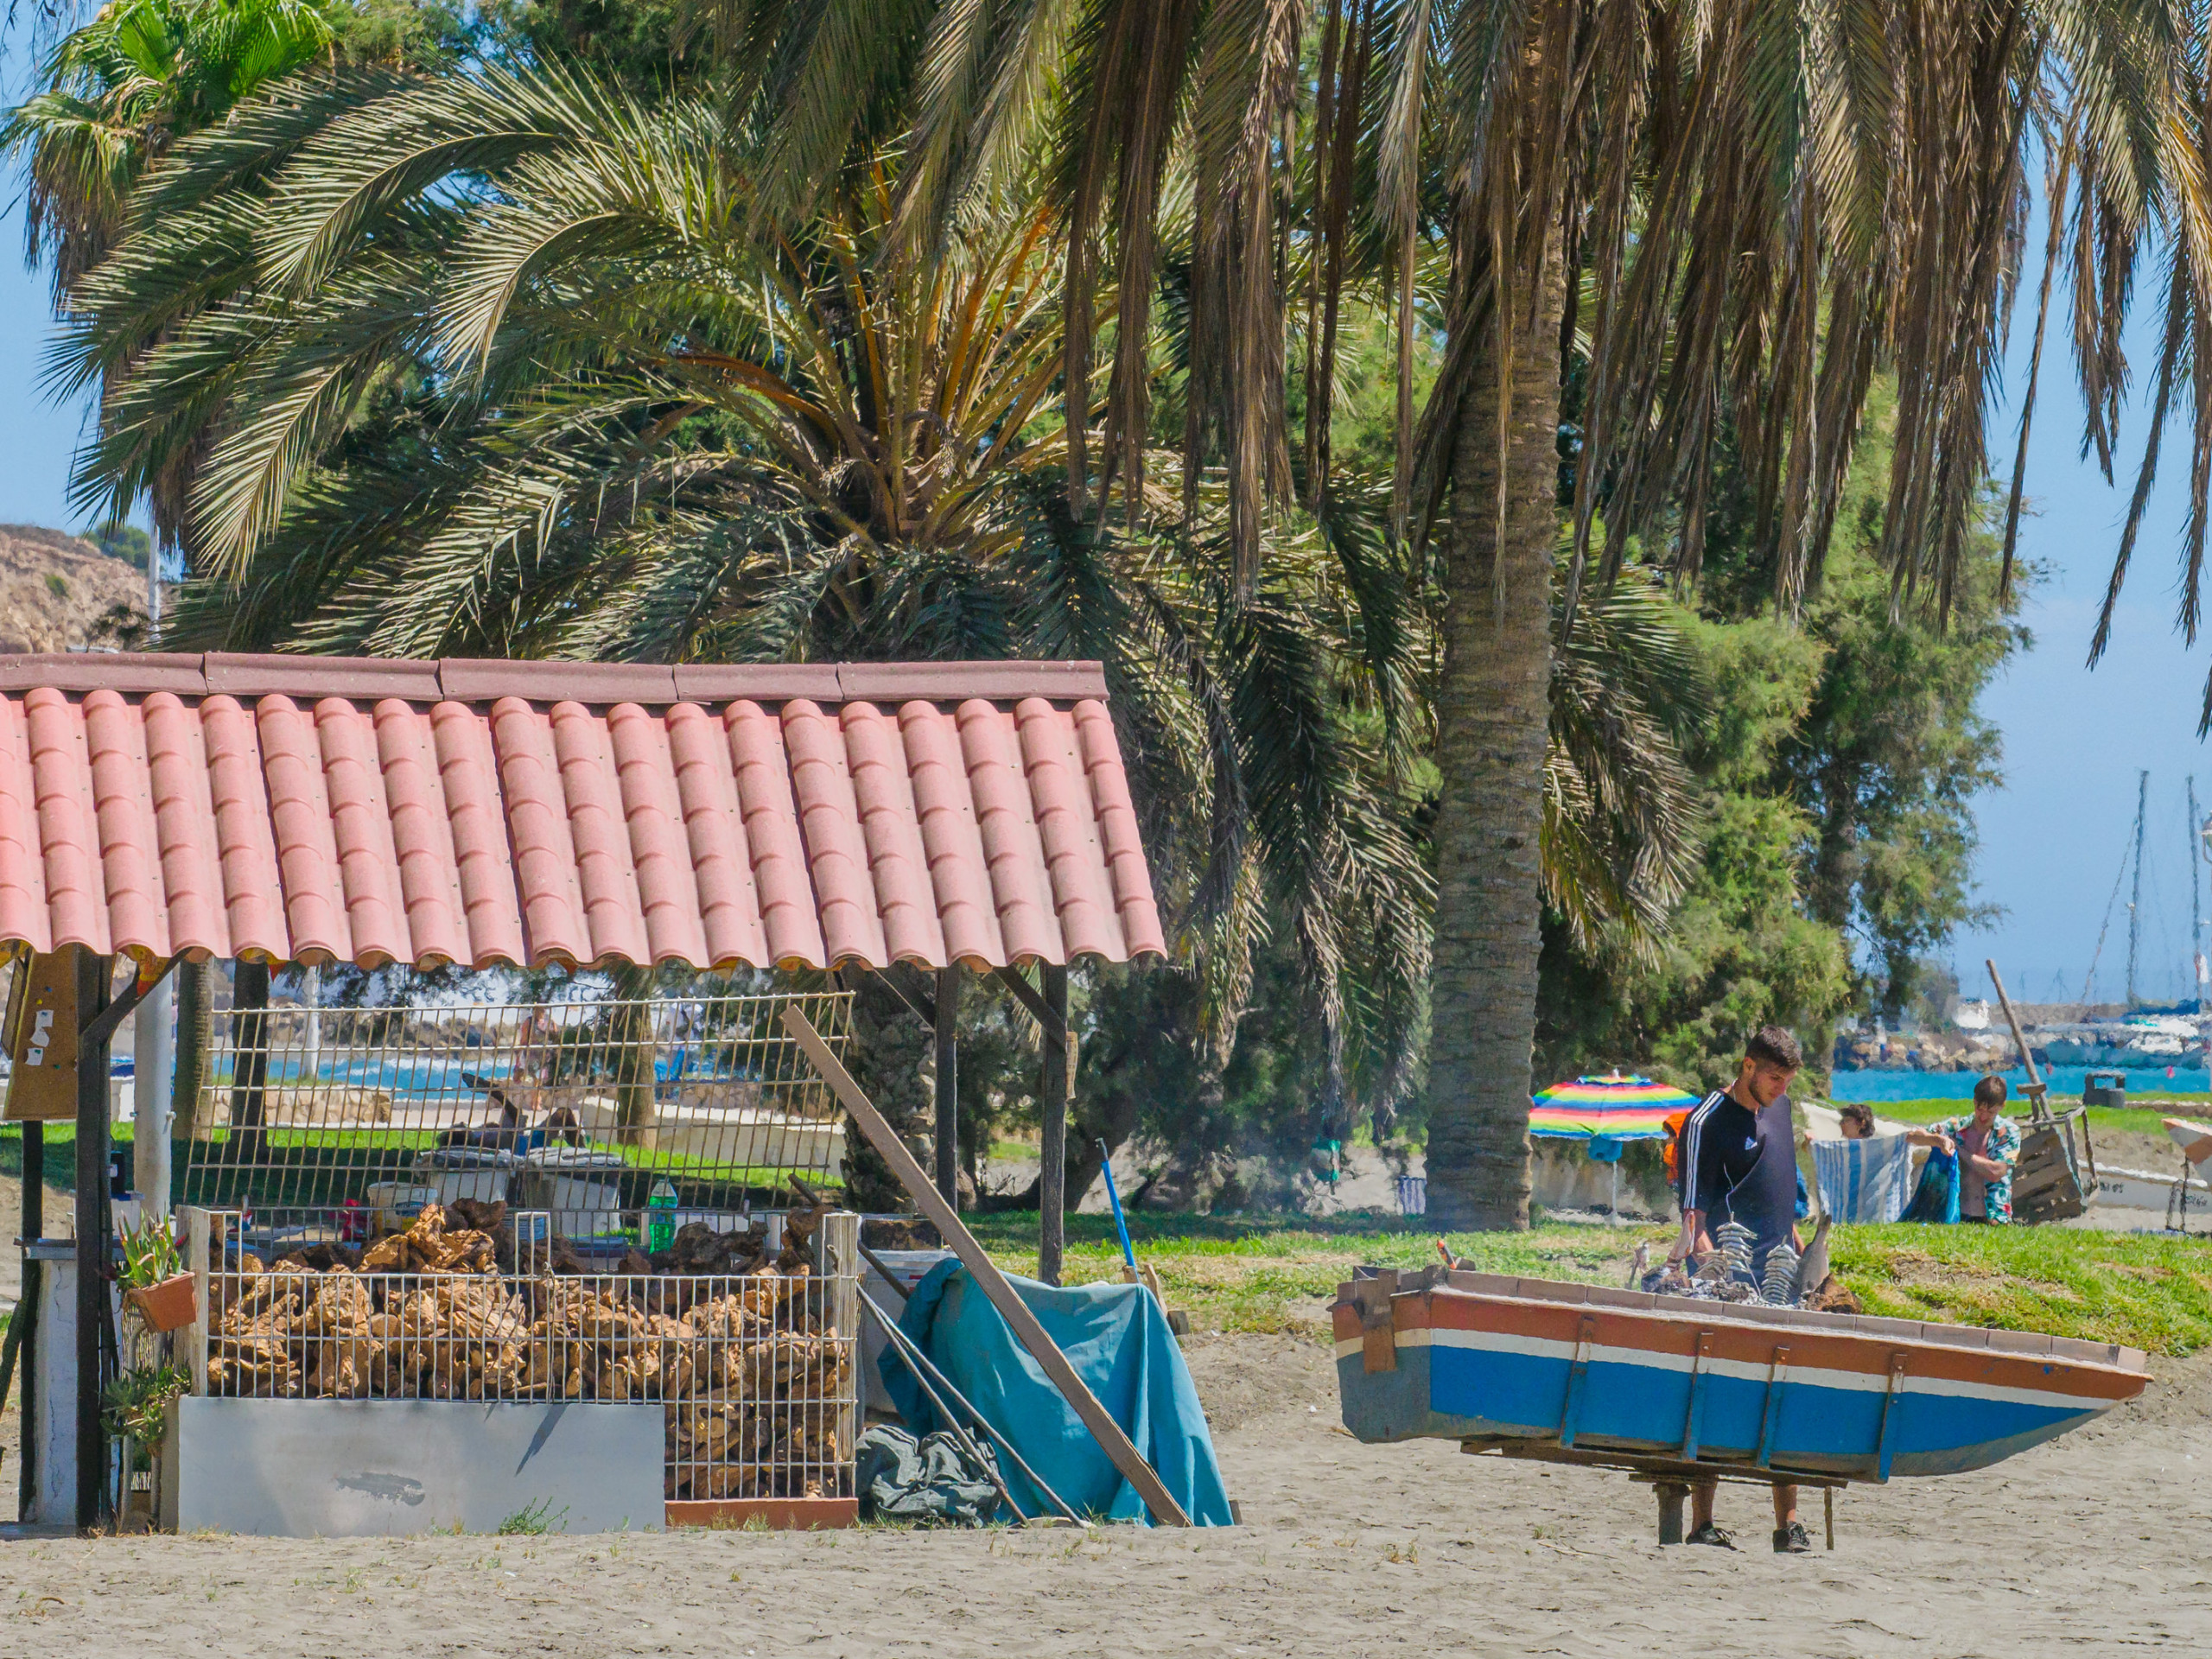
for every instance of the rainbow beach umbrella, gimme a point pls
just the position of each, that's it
(1615, 1107)
(1603, 1112)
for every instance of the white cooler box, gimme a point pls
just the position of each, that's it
(478, 1173)
(581, 1185)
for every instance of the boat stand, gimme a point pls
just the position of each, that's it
(1670, 1479)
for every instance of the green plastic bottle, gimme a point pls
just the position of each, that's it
(660, 1212)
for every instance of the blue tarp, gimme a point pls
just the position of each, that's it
(1118, 1341)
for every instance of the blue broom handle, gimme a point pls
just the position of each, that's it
(1114, 1198)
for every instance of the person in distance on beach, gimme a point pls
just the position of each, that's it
(1858, 1124)
(1989, 1145)
(1738, 1162)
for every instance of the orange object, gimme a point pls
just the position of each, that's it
(169, 1306)
(1675, 1121)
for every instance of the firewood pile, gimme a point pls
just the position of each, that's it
(732, 1339)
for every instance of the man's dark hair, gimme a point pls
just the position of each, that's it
(1991, 1091)
(1853, 1111)
(1776, 1046)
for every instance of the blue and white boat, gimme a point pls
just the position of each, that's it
(1593, 1374)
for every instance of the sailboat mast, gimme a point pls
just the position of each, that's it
(2195, 900)
(2135, 899)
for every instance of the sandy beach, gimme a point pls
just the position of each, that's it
(2094, 1544)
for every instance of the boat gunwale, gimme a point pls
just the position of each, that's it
(2018, 1345)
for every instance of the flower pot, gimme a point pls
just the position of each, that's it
(166, 1306)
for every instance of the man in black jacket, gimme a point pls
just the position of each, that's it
(1737, 1156)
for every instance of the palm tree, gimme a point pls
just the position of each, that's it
(115, 94)
(507, 363)
(1723, 231)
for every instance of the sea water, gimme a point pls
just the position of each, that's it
(2065, 1083)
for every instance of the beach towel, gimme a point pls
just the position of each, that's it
(1864, 1181)
(1936, 1198)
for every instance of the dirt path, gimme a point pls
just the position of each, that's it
(2095, 1544)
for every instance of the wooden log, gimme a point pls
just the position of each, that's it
(1032, 1336)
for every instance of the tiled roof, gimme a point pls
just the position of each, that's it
(327, 809)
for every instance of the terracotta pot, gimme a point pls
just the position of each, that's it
(169, 1304)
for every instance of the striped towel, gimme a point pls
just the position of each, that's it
(1865, 1180)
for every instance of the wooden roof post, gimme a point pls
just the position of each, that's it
(946, 1017)
(1052, 1154)
(92, 1314)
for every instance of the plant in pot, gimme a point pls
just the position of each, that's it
(154, 1279)
(134, 1409)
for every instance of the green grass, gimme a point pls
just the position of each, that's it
(327, 1167)
(2148, 1291)
(2132, 1120)
(1276, 1273)
(1270, 1273)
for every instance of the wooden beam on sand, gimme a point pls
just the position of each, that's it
(1096, 1418)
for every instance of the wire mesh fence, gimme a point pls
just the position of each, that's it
(611, 1117)
(755, 1369)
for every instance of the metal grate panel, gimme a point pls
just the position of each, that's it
(340, 1123)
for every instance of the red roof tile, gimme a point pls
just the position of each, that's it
(320, 809)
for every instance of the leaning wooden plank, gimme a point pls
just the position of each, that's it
(908, 1169)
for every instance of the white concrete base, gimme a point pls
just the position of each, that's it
(53, 1417)
(378, 1468)
(2136, 1189)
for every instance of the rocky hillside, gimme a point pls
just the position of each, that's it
(58, 591)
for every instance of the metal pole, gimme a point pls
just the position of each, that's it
(1052, 1155)
(2135, 901)
(948, 1083)
(2197, 902)
(92, 1239)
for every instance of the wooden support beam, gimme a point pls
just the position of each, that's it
(919, 1001)
(1031, 998)
(1032, 1335)
(1053, 1150)
(944, 1015)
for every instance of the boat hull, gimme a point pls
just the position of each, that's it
(1818, 1394)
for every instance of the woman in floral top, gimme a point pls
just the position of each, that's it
(1988, 1145)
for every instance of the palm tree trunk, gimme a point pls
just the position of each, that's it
(1492, 715)
(195, 1004)
(632, 1037)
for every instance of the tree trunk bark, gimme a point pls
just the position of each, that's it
(195, 1004)
(630, 1034)
(1493, 712)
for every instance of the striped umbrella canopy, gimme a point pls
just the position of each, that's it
(1615, 1107)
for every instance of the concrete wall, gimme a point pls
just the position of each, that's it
(359, 1468)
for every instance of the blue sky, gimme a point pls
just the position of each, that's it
(2052, 837)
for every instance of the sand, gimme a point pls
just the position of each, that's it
(2094, 1544)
